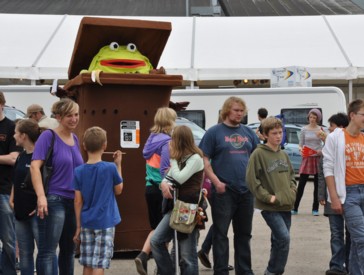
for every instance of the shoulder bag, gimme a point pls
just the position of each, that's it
(183, 218)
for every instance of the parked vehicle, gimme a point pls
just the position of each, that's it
(13, 113)
(294, 103)
(197, 131)
(291, 144)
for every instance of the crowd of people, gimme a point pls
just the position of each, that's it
(60, 211)
(245, 169)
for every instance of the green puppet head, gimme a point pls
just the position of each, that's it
(120, 59)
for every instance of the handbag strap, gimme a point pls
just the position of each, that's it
(199, 198)
(50, 149)
(182, 164)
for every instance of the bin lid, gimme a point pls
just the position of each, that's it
(150, 37)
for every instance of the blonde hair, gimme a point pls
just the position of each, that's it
(63, 107)
(94, 139)
(182, 143)
(271, 123)
(226, 107)
(164, 120)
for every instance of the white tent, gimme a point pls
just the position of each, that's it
(199, 48)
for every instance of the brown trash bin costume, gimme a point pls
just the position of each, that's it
(131, 98)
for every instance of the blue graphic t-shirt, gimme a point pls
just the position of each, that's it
(229, 149)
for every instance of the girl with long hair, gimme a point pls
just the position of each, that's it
(186, 169)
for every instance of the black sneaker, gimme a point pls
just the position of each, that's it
(141, 262)
(204, 259)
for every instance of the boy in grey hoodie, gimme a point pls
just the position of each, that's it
(271, 179)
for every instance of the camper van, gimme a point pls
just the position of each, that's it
(205, 104)
(293, 103)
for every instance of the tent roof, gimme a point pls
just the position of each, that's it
(199, 48)
(178, 7)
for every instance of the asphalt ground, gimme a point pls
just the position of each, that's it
(309, 251)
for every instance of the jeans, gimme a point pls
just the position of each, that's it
(58, 228)
(280, 224)
(7, 237)
(26, 234)
(238, 208)
(301, 187)
(187, 249)
(340, 245)
(207, 243)
(354, 218)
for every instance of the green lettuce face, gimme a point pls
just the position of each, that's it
(120, 59)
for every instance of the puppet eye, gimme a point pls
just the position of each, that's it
(114, 46)
(131, 47)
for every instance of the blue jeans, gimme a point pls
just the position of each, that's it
(238, 208)
(187, 249)
(26, 234)
(354, 218)
(58, 228)
(280, 224)
(339, 243)
(7, 237)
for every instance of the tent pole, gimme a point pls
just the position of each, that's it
(350, 90)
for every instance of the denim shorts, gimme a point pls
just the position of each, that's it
(97, 247)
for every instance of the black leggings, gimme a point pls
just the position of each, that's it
(301, 187)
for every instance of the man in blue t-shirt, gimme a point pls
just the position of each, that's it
(227, 148)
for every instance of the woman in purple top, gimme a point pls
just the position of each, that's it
(55, 210)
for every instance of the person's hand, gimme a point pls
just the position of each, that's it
(336, 206)
(300, 149)
(220, 187)
(118, 157)
(322, 202)
(166, 189)
(76, 237)
(272, 199)
(42, 207)
(321, 135)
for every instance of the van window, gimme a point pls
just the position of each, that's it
(196, 116)
(292, 135)
(296, 115)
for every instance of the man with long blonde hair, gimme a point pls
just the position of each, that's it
(227, 148)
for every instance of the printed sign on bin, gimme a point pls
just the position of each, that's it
(129, 134)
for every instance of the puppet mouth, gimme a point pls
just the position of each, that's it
(122, 63)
